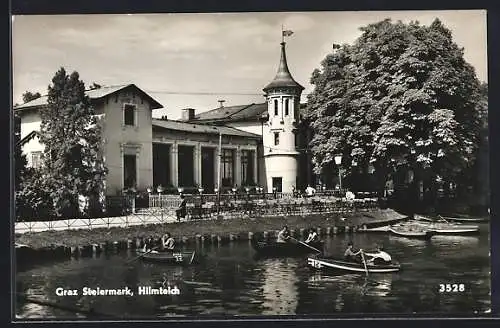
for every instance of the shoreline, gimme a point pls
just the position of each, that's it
(65, 244)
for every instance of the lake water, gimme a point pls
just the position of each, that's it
(231, 281)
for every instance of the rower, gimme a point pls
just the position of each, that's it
(149, 245)
(284, 235)
(313, 237)
(168, 242)
(379, 257)
(350, 255)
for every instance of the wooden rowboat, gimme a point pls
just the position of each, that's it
(168, 257)
(443, 227)
(464, 219)
(418, 234)
(265, 248)
(331, 264)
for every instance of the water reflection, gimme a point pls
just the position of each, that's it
(230, 281)
(279, 286)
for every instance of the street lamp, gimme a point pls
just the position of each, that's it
(217, 192)
(149, 190)
(160, 189)
(338, 161)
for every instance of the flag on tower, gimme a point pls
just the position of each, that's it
(287, 33)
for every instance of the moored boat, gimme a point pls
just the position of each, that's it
(332, 264)
(168, 257)
(459, 219)
(406, 232)
(271, 248)
(442, 227)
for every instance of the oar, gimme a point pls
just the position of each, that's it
(442, 218)
(138, 257)
(192, 257)
(364, 261)
(315, 249)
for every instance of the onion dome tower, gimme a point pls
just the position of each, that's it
(280, 153)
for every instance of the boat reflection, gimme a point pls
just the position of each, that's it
(373, 285)
(466, 241)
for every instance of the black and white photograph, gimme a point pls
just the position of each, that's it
(180, 166)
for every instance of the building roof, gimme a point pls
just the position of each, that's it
(28, 137)
(251, 112)
(233, 113)
(202, 128)
(283, 78)
(94, 94)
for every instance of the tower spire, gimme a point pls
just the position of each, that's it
(283, 76)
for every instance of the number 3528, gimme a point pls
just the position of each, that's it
(451, 288)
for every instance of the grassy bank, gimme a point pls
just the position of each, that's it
(221, 227)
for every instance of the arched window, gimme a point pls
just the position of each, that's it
(286, 107)
(275, 107)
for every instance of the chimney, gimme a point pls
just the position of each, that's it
(221, 103)
(188, 114)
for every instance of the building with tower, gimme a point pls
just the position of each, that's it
(256, 145)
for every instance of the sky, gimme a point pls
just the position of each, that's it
(194, 60)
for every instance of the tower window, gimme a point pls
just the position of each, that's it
(286, 107)
(276, 107)
(276, 138)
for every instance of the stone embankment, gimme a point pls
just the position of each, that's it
(55, 245)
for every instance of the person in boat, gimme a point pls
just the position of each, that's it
(168, 242)
(149, 245)
(313, 237)
(351, 255)
(180, 212)
(379, 257)
(284, 235)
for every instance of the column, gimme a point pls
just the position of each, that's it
(237, 167)
(255, 164)
(216, 167)
(197, 164)
(174, 172)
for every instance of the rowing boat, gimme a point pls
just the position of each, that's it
(459, 219)
(286, 249)
(331, 264)
(443, 227)
(407, 233)
(168, 257)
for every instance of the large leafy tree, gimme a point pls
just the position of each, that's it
(71, 135)
(401, 98)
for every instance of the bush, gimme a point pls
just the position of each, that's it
(33, 201)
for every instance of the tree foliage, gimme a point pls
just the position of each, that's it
(29, 96)
(401, 95)
(71, 135)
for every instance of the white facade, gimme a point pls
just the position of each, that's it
(119, 139)
(279, 142)
(279, 133)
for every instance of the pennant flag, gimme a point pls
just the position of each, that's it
(287, 33)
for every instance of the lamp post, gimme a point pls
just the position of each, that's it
(217, 192)
(200, 190)
(338, 161)
(149, 190)
(160, 189)
(133, 192)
